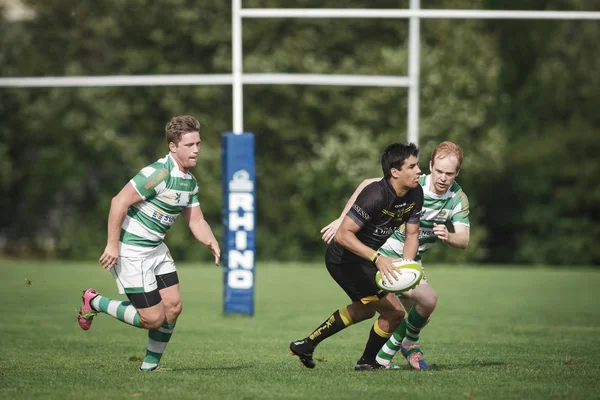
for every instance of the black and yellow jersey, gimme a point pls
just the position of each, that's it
(379, 213)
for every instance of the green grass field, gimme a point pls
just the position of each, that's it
(502, 333)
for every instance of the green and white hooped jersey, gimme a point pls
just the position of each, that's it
(165, 191)
(450, 207)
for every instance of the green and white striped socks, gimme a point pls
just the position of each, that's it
(392, 346)
(122, 310)
(157, 343)
(409, 330)
(414, 323)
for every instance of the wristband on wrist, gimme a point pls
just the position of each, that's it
(375, 257)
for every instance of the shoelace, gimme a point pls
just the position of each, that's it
(88, 315)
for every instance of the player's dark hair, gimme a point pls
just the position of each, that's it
(394, 156)
(178, 126)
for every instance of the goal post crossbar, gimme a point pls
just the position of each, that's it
(206, 80)
(423, 14)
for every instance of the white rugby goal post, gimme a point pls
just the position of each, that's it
(237, 78)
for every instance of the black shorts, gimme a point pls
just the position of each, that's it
(357, 279)
(150, 299)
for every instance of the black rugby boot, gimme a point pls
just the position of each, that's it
(303, 349)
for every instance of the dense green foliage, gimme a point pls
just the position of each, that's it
(482, 342)
(519, 96)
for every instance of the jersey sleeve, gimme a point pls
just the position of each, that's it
(417, 211)
(150, 181)
(194, 202)
(460, 212)
(367, 205)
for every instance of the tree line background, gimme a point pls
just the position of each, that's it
(520, 97)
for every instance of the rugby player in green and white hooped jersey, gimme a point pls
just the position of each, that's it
(438, 209)
(165, 192)
(140, 215)
(445, 203)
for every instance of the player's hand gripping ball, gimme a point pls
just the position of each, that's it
(409, 277)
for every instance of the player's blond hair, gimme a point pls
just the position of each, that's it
(180, 125)
(445, 149)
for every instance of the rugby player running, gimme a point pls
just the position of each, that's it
(446, 204)
(139, 218)
(352, 258)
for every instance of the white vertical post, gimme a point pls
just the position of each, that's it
(414, 39)
(236, 49)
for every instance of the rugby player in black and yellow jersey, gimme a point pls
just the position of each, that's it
(352, 258)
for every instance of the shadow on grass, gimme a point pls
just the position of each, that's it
(474, 364)
(195, 369)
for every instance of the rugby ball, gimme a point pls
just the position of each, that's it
(410, 276)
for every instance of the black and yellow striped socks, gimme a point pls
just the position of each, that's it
(377, 338)
(332, 325)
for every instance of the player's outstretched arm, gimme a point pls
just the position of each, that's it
(459, 238)
(118, 210)
(201, 230)
(330, 230)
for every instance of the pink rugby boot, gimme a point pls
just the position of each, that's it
(86, 312)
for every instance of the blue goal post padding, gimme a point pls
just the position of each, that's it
(239, 219)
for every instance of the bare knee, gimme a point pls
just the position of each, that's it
(173, 310)
(152, 321)
(171, 300)
(396, 317)
(389, 320)
(359, 312)
(368, 314)
(428, 304)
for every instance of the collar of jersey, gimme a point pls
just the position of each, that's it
(389, 186)
(175, 171)
(431, 194)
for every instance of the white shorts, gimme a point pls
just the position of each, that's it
(138, 274)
